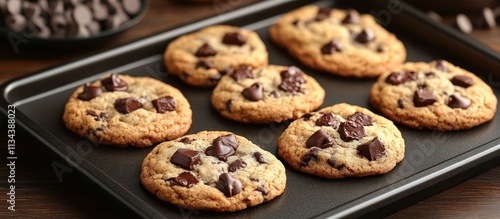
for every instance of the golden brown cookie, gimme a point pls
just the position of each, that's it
(213, 170)
(342, 141)
(266, 94)
(435, 95)
(341, 42)
(121, 110)
(201, 58)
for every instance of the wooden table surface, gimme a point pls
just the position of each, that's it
(40, 194)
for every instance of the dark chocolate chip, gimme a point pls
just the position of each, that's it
(350, 131)
(307, 116)
(259, 158)
(254, 92)
(186, 158)
(322, 14)
(263, 190)
(89, 92)
(463, 23)
(401, 103)
(234, 38)
(396, 78)
(333, 163)
(319, 139)
(365, 36)
(312, 154)
(242, 72)
(361, 118)
(291, 79)
(456, 101)
(462, 81)
(58, 24)
(441, 66)
(328, 120)
(164, 104)
(380, 49)
(295, 22)
(372, 150)
(205, 51)
(254, 179)
(185, 179)
(423, 97)
(352, 17)
(15, 22)
(430, 74)
(228, 185)
(132, 7)
(228, 105)
(114, 83)
(331, 47)
(186, 140)
(127, 105)
(223, 147)
(204, 64)
(235, 165)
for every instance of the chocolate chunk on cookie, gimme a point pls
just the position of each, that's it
(266, 94)
(200, 58)
(188, 174)
(435, 95)
(363, 144)
(340, 42)
(121, 110)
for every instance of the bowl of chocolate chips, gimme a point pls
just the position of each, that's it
(61, 22)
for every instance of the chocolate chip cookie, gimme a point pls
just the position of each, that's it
(435, 95)
(342, 141)
(266, 94)
(201, 58)
(213, 170)
(341, 42)
(121, 110)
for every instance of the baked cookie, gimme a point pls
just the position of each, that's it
(341, 42)
(121, 110)
(201, 58)
(266, 94)
(435, 95)
(342, 141)
(213, 170)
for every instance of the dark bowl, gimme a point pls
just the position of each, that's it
(447, 7)
(73, 41)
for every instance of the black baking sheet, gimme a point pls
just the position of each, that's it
(432, 157)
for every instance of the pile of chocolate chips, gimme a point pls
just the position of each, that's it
(66, 18)
(487, 18)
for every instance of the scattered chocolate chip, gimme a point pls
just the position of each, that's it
(228, 185)
(331, 47)
(328, 120)
(372, 150)
(127, 105)
(307, 116)
(114, 83)
(89, 92)
(204, 64)
(365, 36)
(223, 147)
(186, 158)
(440, 65)
(361, 118)
(235, 165)
(333, 163)
(322, 14)
(97, 117)
(462, 81)
(253, 93)
(263, 190)
(259, 158)
(456, 101)
(234, 38)
(291, 79)
(185, 179)
(164, 104)
(319, 139)
(463, 23)
(228, 105)
(401, 103)
(186, 140)
(352, 17)
(242, 72)
(312, 154)
(205, 51)
(396, 78)
(423, 97)
(350, 130)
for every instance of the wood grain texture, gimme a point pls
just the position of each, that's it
(41, 194)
